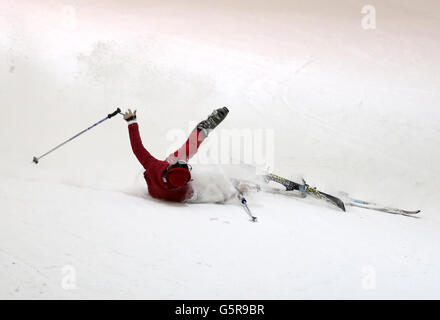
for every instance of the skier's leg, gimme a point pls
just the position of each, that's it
(189, 148)
(200, 132)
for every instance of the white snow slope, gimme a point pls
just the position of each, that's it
(347, 108)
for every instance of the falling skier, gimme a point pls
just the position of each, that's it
(170, 179)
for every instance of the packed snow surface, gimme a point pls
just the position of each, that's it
(346, 108)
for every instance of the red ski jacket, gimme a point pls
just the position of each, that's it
(154, 169)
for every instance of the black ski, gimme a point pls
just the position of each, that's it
(305, 189)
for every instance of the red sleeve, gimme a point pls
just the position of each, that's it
(144, 157)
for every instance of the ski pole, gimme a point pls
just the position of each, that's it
(245, 206)
(109, 116)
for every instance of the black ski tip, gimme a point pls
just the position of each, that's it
(35, 160)
(335, 200)
(339, 203)
(342, 206)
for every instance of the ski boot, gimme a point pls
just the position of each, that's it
(213, 120)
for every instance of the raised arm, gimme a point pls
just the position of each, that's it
(144, 157)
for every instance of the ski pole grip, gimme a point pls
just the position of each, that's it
(111, 115)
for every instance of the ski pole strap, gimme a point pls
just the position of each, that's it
(111, 115)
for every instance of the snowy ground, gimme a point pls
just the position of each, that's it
(347, 108)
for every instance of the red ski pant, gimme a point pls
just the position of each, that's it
(189, 148)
